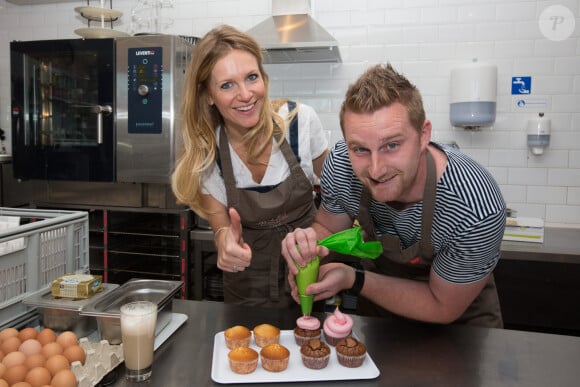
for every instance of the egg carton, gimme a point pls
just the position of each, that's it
(101, 359)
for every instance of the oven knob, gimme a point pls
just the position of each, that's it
(143, 90)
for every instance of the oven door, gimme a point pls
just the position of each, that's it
(62, 109)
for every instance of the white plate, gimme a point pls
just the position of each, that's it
(296, 371)
(99, 33)
(98, 13)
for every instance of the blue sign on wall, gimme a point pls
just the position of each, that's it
(521, 85)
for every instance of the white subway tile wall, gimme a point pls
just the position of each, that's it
(424, 39)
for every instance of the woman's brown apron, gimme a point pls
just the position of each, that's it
(266, 219)
(415, 261)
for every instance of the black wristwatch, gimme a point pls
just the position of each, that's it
(359, 280)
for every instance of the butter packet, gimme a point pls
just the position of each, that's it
(76, 286)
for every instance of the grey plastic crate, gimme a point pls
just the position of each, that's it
(47, 245)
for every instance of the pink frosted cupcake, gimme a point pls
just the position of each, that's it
(337, 326)
(307, 328)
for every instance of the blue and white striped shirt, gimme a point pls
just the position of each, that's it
(468, 222)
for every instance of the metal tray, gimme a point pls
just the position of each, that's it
(107, 309)
(63, 314)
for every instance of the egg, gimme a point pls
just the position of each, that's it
(3, 383)
(8, 332)
(38, 376)
(15, 374)
(52, 349)
(11, 344)
(14, 358)
(27, 333)
(36, 360)
(64, 378)
(22, 384)
(2, 369)
(67, 338)
(1, 355)
(56, 363)
(30, 347)
(46, 336)
(75, 353)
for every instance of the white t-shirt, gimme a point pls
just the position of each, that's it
(312, 142)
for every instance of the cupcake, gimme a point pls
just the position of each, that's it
(243, 360)
(265, 334)
(307, 328)
(315, 354)
(237, 336)
(350, 352)
(337, 326)
(274, 357)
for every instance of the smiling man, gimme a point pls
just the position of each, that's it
(439, 215)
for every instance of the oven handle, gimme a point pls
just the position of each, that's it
(100, 111)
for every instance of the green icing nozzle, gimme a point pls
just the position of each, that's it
(306, 276)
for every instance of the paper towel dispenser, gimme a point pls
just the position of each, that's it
(473, 95)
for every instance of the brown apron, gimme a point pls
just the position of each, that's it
(415, 261)
(266, 219)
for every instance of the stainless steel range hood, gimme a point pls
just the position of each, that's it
(295, 38)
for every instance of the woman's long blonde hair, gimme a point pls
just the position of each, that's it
(200, 120)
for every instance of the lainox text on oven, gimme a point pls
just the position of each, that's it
(97, 109)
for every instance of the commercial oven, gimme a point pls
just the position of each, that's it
(97, 110)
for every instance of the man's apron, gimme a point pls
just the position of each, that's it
(266, 219)
(415, 261)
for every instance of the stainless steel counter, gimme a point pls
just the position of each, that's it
(407, 354)
(560, 245)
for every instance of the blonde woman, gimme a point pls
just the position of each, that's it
(248, 165)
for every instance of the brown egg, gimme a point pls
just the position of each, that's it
(14, 358)
(46, 336)
(38, 377)
(15, 374)
(22, 384)
(52, 349)
(4, 383)
(67, 338)
(2, 369)
(56, 363)
(75, 353)
(30, 347)
(36, 360)
(11, 344)
(8, 332)
(64, 378)
(1, 355)
(27, 333)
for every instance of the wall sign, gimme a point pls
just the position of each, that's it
(521, 85)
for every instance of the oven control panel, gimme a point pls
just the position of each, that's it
(145, 89)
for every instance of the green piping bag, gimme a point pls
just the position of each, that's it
(348, 242)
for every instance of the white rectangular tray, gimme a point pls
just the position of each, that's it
(296, 371)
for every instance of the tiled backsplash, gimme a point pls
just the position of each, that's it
(422, 38)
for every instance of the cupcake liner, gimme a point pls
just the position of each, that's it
(351, 361)
(334, 340)
(235, 343)
(301, 340)
(315, 363)
(243, 367)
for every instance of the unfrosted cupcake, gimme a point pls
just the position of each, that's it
(350, 352)
(307, 328)
(337, 326)
(265, 334)
(243, 360)
(274, 357)
(237, 336)
(315, 354)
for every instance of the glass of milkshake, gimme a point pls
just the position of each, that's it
(138, 320)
